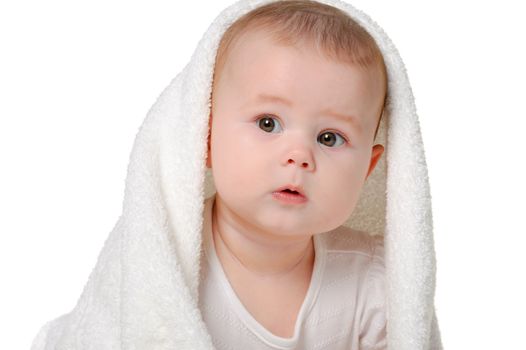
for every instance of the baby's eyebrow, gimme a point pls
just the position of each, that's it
(271, 98)
(352, 120)
(346, 118)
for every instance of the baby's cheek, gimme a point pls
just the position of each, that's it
(345, 190)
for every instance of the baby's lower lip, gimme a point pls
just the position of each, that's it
(289, 198)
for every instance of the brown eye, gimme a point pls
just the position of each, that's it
(267, 124)
(330, 138)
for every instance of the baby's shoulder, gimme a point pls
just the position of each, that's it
(346, 239)
(354, 262)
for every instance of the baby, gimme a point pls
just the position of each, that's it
(280, 104)
(298, 93)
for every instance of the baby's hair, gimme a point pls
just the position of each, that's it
(292, 21)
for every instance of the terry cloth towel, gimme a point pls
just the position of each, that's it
(143, 291)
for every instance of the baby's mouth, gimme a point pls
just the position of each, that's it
(290, 193)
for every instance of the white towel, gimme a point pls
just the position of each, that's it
(142, 293)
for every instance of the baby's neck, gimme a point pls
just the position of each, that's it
(274, 301)
(259, 255)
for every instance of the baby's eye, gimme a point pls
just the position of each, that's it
(327, 138)
(330, 138)
(266, 123)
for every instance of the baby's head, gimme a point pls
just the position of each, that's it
(298, 92)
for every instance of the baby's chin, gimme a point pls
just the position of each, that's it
(290, 225)
(270, 217)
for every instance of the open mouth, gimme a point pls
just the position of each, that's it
(289, 196)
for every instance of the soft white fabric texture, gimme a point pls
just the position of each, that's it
(143, 291)
(344, 307)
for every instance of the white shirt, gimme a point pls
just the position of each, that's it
(344, 307)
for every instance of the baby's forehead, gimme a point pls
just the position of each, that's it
(296, 70)
(258, 63)
(255, 43)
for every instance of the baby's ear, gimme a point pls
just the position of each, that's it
(208, 158)
(378, 150)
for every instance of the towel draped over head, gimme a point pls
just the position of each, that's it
(143, 291)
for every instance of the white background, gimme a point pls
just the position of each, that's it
(77, 79)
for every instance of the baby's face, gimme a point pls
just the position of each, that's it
(280, 116)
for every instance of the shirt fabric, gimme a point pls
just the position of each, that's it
(344, 307)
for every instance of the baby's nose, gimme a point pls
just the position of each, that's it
(302, 158)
